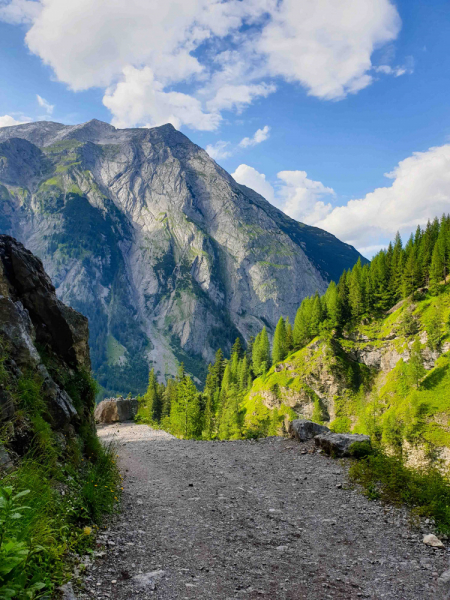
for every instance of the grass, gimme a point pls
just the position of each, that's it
(425, 491)
(59, 491)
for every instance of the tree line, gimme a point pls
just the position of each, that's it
(365, 291)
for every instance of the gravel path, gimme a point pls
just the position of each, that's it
(246, 519)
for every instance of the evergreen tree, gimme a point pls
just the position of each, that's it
(237, 348)
(435, 327)
(152, 398)
(279, 350)
(415, 368)
(261, 353)
(436, 270)
(168, 396)
(333, 305)
(185, 416)
(289, 336)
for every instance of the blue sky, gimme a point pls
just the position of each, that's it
(340, 94)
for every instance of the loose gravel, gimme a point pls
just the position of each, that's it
(252, 519)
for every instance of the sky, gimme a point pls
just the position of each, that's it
(336, 111)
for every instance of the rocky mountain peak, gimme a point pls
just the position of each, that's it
(164, 252)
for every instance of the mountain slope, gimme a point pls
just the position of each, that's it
(361, 381)
(145, 234)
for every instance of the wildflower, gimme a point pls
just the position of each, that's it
(87, 531)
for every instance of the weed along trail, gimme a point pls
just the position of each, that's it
(251, 519)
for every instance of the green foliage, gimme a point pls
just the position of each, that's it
(426, 491)
(68, 482)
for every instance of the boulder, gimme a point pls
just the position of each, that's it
(113, 410)
(340, 444)
(303, 430)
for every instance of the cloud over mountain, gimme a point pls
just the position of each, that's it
(188, 61)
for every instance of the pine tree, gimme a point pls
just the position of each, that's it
(435, 326)
(152, 398)
(436, 270)
(185, 415)
(237, 348)
(279, 350)
(333, 305)
(261, 353)
(289, 336)
(415, 368)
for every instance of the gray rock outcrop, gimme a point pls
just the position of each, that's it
(43, 341)
(303, 430)
(340, 444)
(156, 244)
(114, 410)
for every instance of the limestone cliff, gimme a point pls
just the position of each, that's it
(145, 234)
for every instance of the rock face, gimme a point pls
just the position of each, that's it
(43, 343)
(303, 430)
(114, 410)
(164, 252)
(340, 444)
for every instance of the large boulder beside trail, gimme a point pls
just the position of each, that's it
(343, 444)
(303, 430)
(113, 410)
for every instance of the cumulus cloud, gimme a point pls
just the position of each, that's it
(256, 181)
(219, 150)
(139, 98)
(260, 136)
(18, 12)
(8, 121)
(327, 45)
(45, 105)
(420, 190)
(295, 194)
(146, 48)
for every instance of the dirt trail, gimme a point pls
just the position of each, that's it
(251, 520)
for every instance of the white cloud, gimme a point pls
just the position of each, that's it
(260, 136)
(45, 105)
(327, 45)
(420, 191)
(295, 194)
(398, 70)
(229, 97)
(140, 50)
(219, 150)
(18, 12)
(250, 177)
(140, 99)
(8, 121)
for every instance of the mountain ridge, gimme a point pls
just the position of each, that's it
(166, 254)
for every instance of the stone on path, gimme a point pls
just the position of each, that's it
(303, 430)
(432, 540)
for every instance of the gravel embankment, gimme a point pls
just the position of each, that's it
(251, 520)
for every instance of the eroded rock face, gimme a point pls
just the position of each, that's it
(113, 410)
(41, 339)
(303, 430)
(340, 444)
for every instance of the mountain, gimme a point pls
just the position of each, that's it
(168, 257)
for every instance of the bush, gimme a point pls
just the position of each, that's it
(427, 492)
